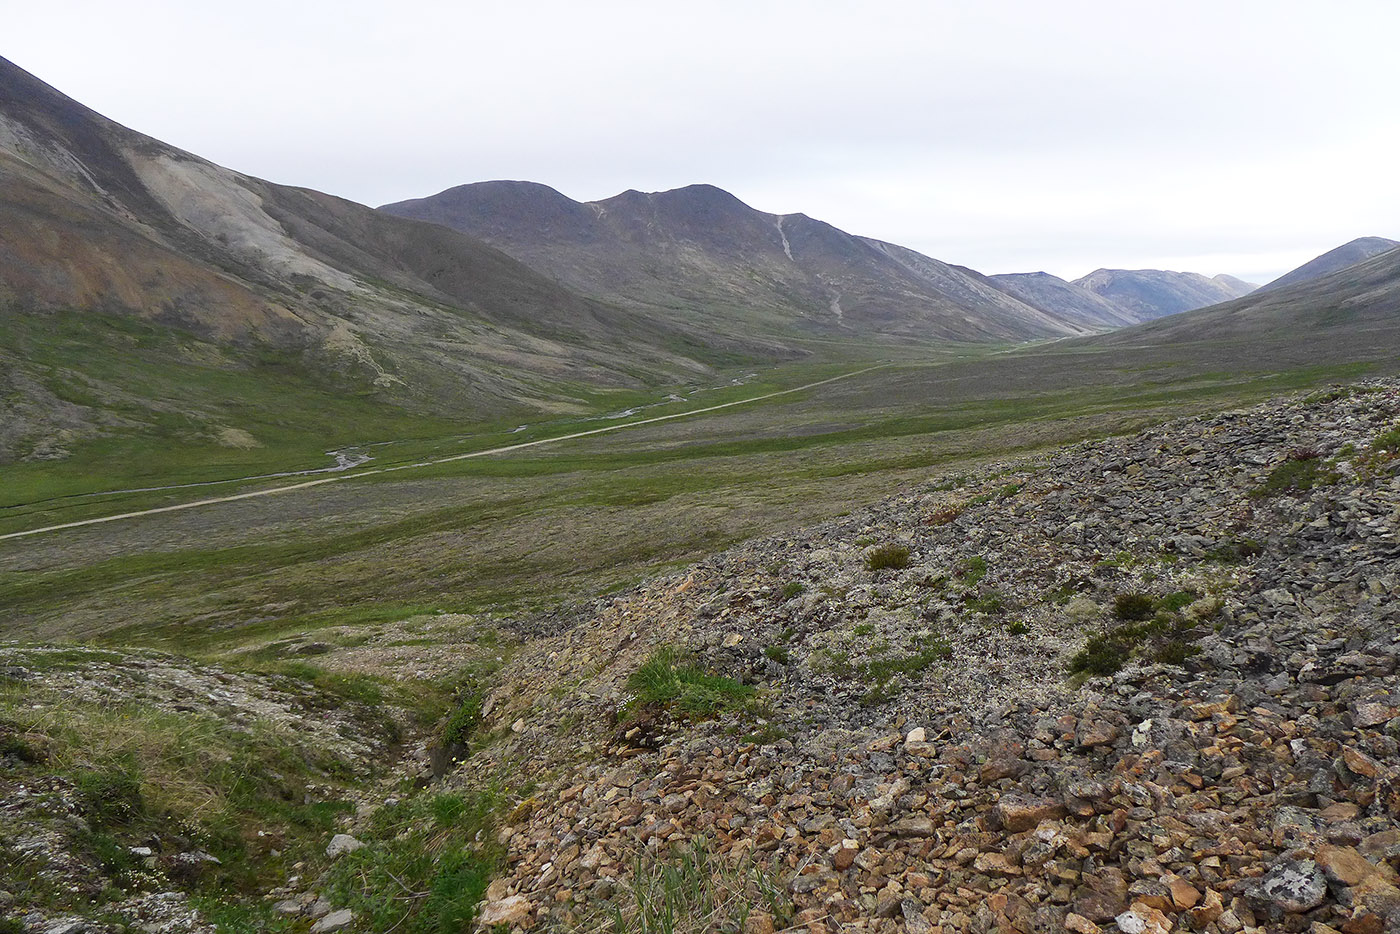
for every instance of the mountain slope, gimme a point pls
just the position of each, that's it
(701, 253)
(1348, 254)
(1357, 306)
(96, 218)
(1064, 298)
(1152, 293)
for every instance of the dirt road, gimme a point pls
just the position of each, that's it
(504, 449)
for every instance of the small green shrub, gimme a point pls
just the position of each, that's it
(1176, 601)
(989, 602)
(862, 629)
(1235, 552)
(887, 556)
(666, 680)
(1017, 628)
(1296, 475)
(792, 589)
(1176, 652)
(1102, 655)
(109, 797)
(972, 570)
(1387, 444)
(779, 654)
(1134, 606)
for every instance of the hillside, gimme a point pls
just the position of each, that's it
(204, 275)
(1348, 254)
(1353, 310)
(1153, 293)
(1065, 298)
(1145, 684)
(700, 254)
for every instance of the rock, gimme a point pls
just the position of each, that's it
(1292, 886)
(845, 854)
(335, 921)
(1020, 812)
(1376, 898)
(68, 926)
(341, 844)
(1360, 763)
(916, 735)
(1096, 733)
(1102, 897)
(510, 910)
(1078, 924)
(1143, 919)
(732, 639)
(1344, 865)
(1184, 895)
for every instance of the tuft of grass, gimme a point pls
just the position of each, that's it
(1386, 444)
(1134, 606)
(1152, 628)
(667, 680)
(989, 602)
(972, 570)
(425, 864)
(779, 654)
(887, 556)
(1235, 552)
(1304, 470)
(690, 890)
(792, 589)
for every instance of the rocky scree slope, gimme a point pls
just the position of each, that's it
(915, 756)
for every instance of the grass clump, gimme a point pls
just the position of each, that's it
(1385, 446)
(1152, 628)
(425, 864)
(1134, 606)
(887, 556)
(1303, 470)
(972, 570)
(990, 602)
(691, 890)
(778, 653)
(1237, 551)
(792, 589)
(667, 680)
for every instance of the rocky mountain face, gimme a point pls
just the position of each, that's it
(1052, 293)
(1348, 254)
(703, 253)
(1152, 293)
(98, 219)
(921, 760)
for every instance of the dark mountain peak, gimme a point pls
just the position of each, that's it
(498, 206)
(690, 205)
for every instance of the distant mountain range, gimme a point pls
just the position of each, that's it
(486, 300)
(701, 252)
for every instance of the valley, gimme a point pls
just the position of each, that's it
(495, 561)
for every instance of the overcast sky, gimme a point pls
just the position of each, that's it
(1227, 136)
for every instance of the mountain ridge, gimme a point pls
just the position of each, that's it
(705, 248)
